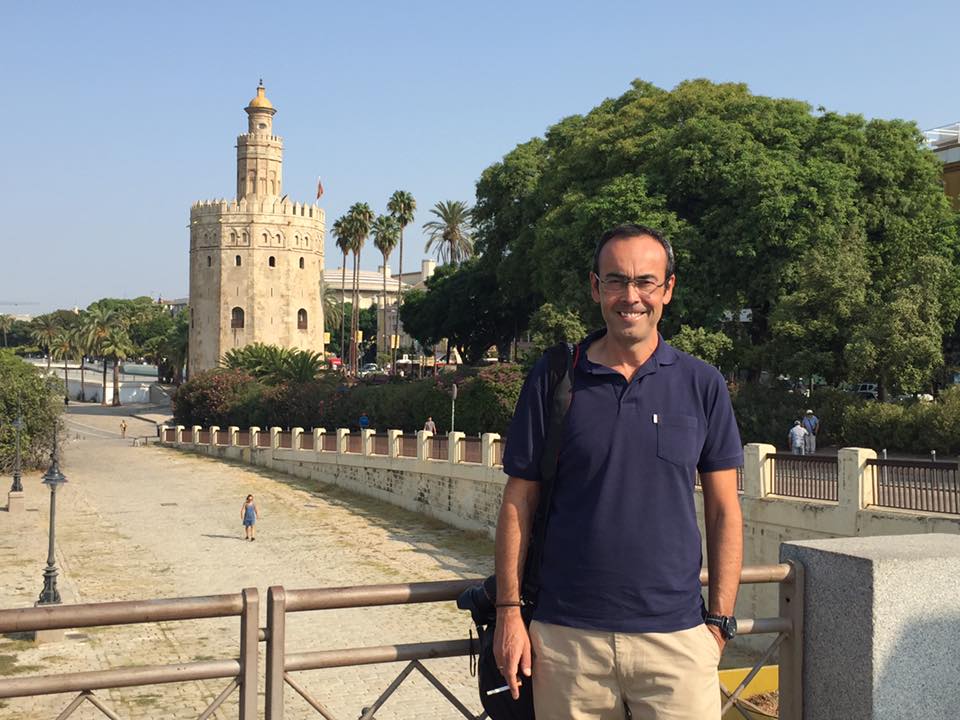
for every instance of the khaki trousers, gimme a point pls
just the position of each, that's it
(589, 674)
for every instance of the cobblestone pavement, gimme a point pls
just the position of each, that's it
(149, 522)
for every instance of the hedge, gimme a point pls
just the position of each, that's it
(24, 389)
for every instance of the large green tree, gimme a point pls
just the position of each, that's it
(386, 235)
(359, 220)
(795, 231)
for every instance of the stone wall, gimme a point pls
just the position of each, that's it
(467, 495)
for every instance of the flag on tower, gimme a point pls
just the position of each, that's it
(319, 188)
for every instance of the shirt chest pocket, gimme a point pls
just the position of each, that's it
(678, 439)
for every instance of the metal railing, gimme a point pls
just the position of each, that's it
(408, 445)
(928, 486)
(280, 665)
(811, 477)
(306, 441)
(241, 671)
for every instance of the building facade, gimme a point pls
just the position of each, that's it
(256, 262)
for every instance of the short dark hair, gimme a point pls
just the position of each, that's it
(629, 230)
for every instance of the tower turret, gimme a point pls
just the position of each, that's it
(259, 152)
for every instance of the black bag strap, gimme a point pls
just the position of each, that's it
(561, 360)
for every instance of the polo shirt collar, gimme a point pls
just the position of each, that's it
(664, 355)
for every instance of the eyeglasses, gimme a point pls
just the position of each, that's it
(618, 284)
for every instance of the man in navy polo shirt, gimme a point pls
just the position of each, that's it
(620, 620)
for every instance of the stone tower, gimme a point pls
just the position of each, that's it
(256, 262)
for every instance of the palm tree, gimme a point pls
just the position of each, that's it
(116, 346)
(63, 348)
(402, 206)
(386, 233)
(450, 233)
(44, 331)
(360, 219)
(176, 345)
(341, 230)
(81, 343)
(332, 309)
(98, 323)
(6, 325)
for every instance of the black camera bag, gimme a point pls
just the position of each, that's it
(481, 599)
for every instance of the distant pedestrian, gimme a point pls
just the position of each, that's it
(797, 436)
(430, 426)
(364, 421)
(811, 423)
(249, 514)
(123, 428)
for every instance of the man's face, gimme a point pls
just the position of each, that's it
(632, 315)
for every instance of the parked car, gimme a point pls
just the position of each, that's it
(370, 369)
(868, 391)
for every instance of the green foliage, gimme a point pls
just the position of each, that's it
(274, 365)
(450, 235)
(214, 398)
(550, 325)
(711, 347)
(225, 397)
(39, 399)
(822, 226)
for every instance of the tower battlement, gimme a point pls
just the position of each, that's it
(254, 137)
(267, 206)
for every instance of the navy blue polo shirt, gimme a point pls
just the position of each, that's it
(622, 550)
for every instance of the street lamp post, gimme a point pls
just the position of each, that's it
(17, 485)
(54, 478)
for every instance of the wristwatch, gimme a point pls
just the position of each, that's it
(726, 623)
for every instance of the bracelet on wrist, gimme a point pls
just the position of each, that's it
(509, 604)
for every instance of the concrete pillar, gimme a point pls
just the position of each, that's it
(343, 441)
(212, 438)
(454, 446)
(393, 442)
(233, 435)
(163, 433)
(295, 434)
(275, 437)
(423, 444)
(15, 502)
(880, 638)
(366, 441)
(855, 490)
(195, 434)
(486, 448)
(254, 436)
(318, 434)
(757, 470)
(177, 440)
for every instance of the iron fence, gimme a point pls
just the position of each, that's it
(471, 450)
(243, 438)
(408, 445)
(329, 443)
(354, 444)
(811, 477)
(381, 444)
(306, 441)
(242, 672)
(439, 447)
(928, 486)
(204, 437)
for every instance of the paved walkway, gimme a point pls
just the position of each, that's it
(146, 522)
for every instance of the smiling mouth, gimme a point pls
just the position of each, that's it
(631, 314)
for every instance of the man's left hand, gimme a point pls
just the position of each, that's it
(715, 631)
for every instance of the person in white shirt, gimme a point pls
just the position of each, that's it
(797, 436)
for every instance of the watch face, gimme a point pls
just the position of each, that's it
(731, 627)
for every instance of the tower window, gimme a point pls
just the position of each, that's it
(209, 261)
(272, 261)
(301, 263)
(301, 319)
(236, 318)
(238, 261)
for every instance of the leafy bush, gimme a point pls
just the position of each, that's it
(38, 399)
(215, 397)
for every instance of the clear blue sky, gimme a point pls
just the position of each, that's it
(118, 115)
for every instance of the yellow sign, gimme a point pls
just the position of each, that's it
(326, 338)
(359, 335)
(395, 341)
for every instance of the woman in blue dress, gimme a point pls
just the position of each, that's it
(249, 514)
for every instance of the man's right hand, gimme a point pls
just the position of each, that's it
(511, 648)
